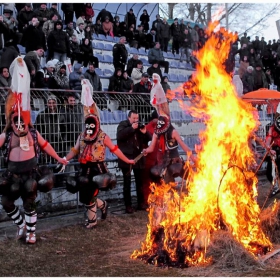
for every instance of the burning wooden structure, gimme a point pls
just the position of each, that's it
(220, 191)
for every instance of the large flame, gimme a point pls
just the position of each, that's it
(220, 192)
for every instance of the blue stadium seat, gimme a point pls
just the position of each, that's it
(142, 51)
(21, 49)
(99, 45)
(108, 117)
(84, 69)
(176, 116)
(173, 78)
(102, 37)
(108, 47)
(100, 57)
(116, 39)
(170, 55)
(187, 118)
(110, 39)
(94, 36)
(174, 64)
(108, 72)
(165, 55)
(93, 44)
(133, 51)
(145, 62)
(183, 65)
(182, 78)
(119, 115)
(99, 72)
(108, 58)
(177, 56)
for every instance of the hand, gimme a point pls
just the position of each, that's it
(63, 161)
(135, 125)
(145, 152)
(131, 161)
(143, 130)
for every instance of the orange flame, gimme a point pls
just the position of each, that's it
(221, 191)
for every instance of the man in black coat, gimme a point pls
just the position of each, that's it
(25, 16)
(132, 138)
(154, 69)
(93, 77)
(120, 54)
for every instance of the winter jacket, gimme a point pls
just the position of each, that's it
(24, 17)
(5, 82)
(75, 78)
(80, 34)
(119, 53)
(94, 80)
(115, 82)
(60, 81)
(126, 84)
(8, 56)
(151, 70)
(164, 31)
(32, 61)
(155, 54)
(141, 87)
(136, 75)
(42, 14)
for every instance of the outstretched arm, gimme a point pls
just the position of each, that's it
(114, 149)
(151, 147)
(47, 147)
(74, 151)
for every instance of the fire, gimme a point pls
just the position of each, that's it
(220, 191)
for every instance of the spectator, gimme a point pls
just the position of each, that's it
(53, 10)
(31, 32)
(244, 40)
(137, 72)
(71, 122)
(89, 12)
(93, 78)
(68, 11)
(156, 54)
(24, 17)
(140, 37)
(202, 38)
(276, 76)
(175, 31)
(117, 29)
(131, 38)
(87, 52)
(79, 32)
(259, 78)
(107, 27)
(75, 52)
(10, 20)
(268, 78)
(58, 43)
(88, 32)
(145, 19)
(165, 85)
(98, 27)
(164, 34)
(47, 123)
(5, 78)
(126, 83)
(60, 79)
(124, 28)
(69, 29)
(130, 18)
(195, 38)
(156, 26)
(75, 77)
(186, 44)
(183, 26)
(115, 81)
(78, 9)
(81, 19)
(150, 39)
(144, 86)
(131, 139)
(267, 62)
(44, 76)
(262, 46)
(43, 14)
(48, 26)
(248, 80)
(243, 66)
(32, 60)
(154, 69)
(102, 14)
(120, 54)
(252, 57)
(10, 52)
(131, 63)
(257, 45)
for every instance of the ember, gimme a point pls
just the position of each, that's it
(220, 192)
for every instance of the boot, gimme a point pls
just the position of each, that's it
(19, 221)
(31, 219)
(91, 216)
(103, 206)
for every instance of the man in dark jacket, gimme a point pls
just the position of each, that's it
(43, 14)
(68, 11)
(115, 81)
(132, 63)
(130, 18)
(33, 36)
(126, 83)
(164, 34)
(94, 79)
(58, 43)
(176, 34)
(154, 69)
(25, 16)
(156, 54)
(150, 39)
(10, 52)
(156, 26)
(186, 44)
(144, 86)
(132, 138)
(75, 77)
(120, 54)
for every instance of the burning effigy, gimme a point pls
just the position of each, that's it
(221, 189)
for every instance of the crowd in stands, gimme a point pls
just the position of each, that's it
(45, 33)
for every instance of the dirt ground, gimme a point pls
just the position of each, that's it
(64, 248)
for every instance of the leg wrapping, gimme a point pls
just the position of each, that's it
(91, 215)
(16, 217)
(31, 220)
(103, 206)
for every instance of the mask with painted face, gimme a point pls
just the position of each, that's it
(92, 127)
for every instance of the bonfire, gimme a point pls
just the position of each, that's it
(220, 191)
